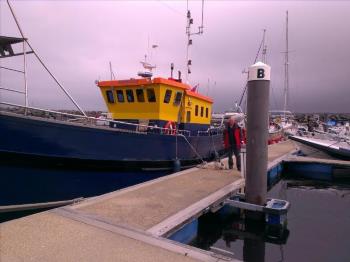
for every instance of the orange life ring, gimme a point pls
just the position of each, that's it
(170, 127)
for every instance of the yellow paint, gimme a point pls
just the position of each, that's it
(157, 110)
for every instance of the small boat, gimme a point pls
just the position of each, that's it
(332, 145)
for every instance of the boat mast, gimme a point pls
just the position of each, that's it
(41, 62)
(189, 40)
(262, 49)
(24, 58)
(286, 70)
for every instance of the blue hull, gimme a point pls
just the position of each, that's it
(35, 139)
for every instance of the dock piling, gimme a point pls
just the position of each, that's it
(257, 134)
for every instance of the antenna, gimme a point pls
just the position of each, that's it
(208, 86)
(171, 70)
(189, 34)
(111, 71)
(147, 64)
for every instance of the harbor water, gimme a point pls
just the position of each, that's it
(318, 227)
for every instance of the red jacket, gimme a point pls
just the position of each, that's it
(238, 134)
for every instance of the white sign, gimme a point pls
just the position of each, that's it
(259, 71)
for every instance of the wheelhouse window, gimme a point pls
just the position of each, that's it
(140, 95)
(167, 96)
(151, 95)
(206, 112)
(130, 95)
(110, 97)
(120, 96)
(178, 98)
(196, 110)
(202, 111)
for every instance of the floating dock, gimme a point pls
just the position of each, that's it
(317, 168)
(129, 224)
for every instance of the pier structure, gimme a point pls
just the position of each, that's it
(131, 224)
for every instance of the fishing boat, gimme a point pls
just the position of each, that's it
(156, 123)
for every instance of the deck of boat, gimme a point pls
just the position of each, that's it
(128, 225)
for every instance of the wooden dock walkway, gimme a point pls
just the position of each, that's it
(129, 224)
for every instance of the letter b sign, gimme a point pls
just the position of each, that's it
(260, 73)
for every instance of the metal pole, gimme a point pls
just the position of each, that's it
(42, 63)
(257, 134)
(25, 78)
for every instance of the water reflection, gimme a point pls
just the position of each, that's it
(221, 232)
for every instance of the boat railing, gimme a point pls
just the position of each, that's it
(211, 131)
(89, 120)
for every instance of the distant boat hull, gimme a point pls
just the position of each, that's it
(34, 139)
(332, 148)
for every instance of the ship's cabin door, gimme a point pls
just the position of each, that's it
(188, 116)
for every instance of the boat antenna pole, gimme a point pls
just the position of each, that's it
(286, 70)
(189, 34)
(111, 71)
(42, 63)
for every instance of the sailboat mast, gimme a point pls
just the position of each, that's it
(286, 69)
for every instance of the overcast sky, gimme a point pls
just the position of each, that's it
(77, 39)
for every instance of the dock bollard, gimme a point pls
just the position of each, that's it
(177, 165)
(257, 136)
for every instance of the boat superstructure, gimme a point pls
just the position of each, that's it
(157, 102)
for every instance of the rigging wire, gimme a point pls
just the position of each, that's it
(171, 8)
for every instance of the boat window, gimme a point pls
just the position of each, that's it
(130, 95)
(120, 96)
(167, 96)
(206, 112)
(202, 111)
(151, 95)
(110, 97)
(196, 111)
(178, 97)
(140, 95)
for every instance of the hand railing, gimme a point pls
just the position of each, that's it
(211, 131)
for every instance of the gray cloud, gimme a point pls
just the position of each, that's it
(78, 39)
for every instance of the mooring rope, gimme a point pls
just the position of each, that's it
(193, 149)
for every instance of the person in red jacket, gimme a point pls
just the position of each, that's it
(233, 138)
